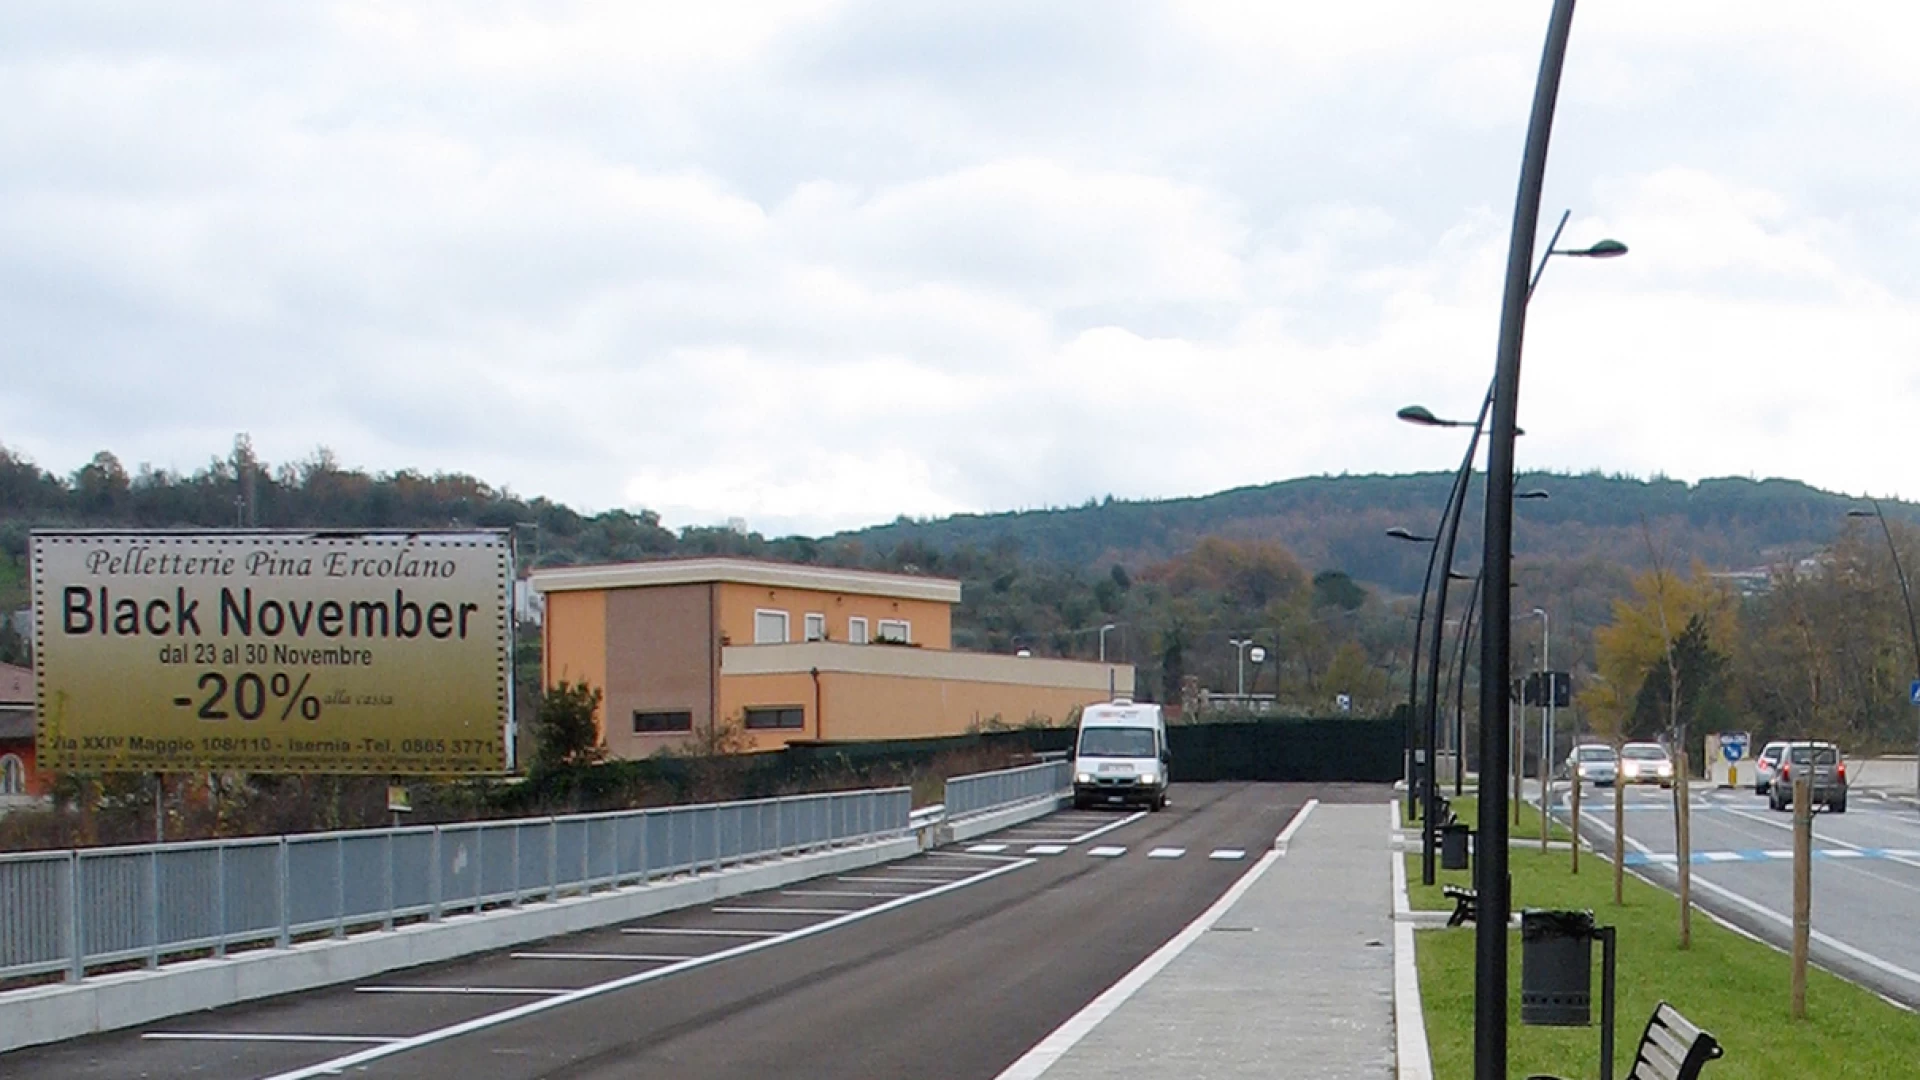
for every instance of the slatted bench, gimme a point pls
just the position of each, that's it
(1672, 1048)
(1466, 904)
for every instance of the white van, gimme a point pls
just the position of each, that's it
(1120, 756)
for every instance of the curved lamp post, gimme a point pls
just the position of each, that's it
(1460, 666)
(1906, 598)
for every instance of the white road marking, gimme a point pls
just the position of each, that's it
(879, 880)
(1286, 835)
(1055, 1046)
(651, 958)
(1107, 828)
(336, 1066)
(229, 1036)
(490, 991)
(782, 910)
(1107, 852)
(1227, 854)
(837, 892)
(1166, 853)
(986, 849)
(693, 931)
(1721, 856)
(1046, 849)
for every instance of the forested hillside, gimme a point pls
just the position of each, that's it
(1304, 568)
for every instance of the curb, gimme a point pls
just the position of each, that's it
(1412, 1057)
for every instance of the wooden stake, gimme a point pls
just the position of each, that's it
(1575, 781)
(1802, 887)
(1683, 841)
(1619, 836)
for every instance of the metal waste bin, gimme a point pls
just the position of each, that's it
(1556, 968)
(1453, 845)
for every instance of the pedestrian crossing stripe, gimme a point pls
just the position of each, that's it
(1166, 853)
(1107, 852)
(1752, 855)
(1046, 849)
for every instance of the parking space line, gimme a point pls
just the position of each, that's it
(698, 931)
(1107, 852)
(336, 1066)
(234, 1036)
(1109, 827)
(1046, 849)
(1227, 854)
(782, 910)
(838, 892)
(485, 991)
(898, 880)
(1166, 853)
(651, 958)
(986, 849)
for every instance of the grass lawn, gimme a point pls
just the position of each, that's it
(1734, 988)
(1467, 808)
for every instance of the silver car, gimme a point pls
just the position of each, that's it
(1825, 770)
(1593, 763)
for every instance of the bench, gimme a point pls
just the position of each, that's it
(1465, 904)
(1672, 1048)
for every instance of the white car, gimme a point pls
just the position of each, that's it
(1593, 763)
(1645, 763)
(1120, 756)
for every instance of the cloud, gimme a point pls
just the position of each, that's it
(819, 264)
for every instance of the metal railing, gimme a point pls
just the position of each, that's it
(69, 910)
(969, 795)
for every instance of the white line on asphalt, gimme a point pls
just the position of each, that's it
(1227, 854)
(1109, 827)
(1166, 853)
(651, 958)
(1046, 849)
(1286, 835)
(968, 855)
(1107, 852)
(694, 931)
(229, 1036)
(1062, 1039)
(338, 1065)
(879, 880)
(782, 910)
(485, 991)
(837, 892)
(986, 849)
(1788, 826)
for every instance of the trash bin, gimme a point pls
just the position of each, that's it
(1556, 968)
(1453, 845)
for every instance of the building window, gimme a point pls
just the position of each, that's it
(791, 717)
(857, 629)
(769, 628)
(816, 627)
(896, 630)
(13, 775)
(649, 723)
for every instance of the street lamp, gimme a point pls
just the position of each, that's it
(1906, 598)
(1493, 886)
(1104, 627)
(1460, 666)
(1240, 657)
(1413, 678)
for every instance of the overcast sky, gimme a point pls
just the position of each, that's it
(816, 264)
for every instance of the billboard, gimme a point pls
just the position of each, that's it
(268, 651)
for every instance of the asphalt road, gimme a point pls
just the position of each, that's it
(1866, 873)
(951, 963)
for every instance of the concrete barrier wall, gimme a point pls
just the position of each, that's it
(104, 1003)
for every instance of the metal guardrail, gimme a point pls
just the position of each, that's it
(67, 911)
(969, 795)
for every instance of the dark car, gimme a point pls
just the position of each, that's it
(1821, 763)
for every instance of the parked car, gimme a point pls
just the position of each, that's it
(1821, 762)
(1765, 764)
(1593, 763)
(1645, 763)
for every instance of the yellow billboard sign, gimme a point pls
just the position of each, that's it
(302, 652)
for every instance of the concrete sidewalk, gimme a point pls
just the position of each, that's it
(1295, 978)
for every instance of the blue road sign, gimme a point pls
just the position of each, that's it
(1733, 745)
(1913, 692)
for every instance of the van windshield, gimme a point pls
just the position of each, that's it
(1116, 742)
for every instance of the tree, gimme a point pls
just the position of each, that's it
(567, 727)
(1698, 672)
(1635, 644)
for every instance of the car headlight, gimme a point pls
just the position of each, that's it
(1631, 769)
(1149, 778)
(1083, 778)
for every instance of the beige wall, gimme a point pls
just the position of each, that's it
(932, 620)
(661, 655)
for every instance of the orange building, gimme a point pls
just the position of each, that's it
(19, 783)
(786, 652)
